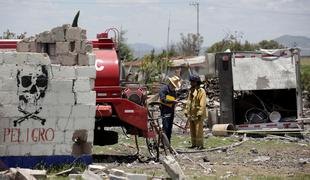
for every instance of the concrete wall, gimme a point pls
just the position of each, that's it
(47, 111)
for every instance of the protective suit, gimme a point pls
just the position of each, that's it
(196, 113)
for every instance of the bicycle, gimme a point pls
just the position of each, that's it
(159, 140)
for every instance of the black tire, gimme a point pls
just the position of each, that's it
(153, 147)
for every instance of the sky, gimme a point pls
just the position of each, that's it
(146, 21)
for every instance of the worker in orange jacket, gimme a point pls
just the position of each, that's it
(195, 111)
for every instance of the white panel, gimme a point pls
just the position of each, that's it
(259, 74)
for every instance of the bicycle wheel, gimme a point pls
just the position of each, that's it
(256, 115)
(153, 144)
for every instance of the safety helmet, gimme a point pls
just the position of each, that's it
(194, 77)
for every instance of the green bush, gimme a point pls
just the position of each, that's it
(305, 77)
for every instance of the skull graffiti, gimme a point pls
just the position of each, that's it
(31, 87)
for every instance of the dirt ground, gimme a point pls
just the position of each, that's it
(270, 157)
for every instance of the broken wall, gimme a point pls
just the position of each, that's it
(47, 110)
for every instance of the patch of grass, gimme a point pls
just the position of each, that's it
(305, 75)
(214, 141)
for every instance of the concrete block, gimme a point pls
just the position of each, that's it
(62, 47)
(87, 98)
(38, 59)
(13, 149)
(66, 26)
(173, 168)
(132, 176)
(87, 174)
(54, 60)
(63, 149)
(60, 111)
(23, 47)
(60, 86)
(31, 174)
(9, 85)
(86, 46)
(11, 57)
(82, 85)
(21, 58)
(45, 37)
(58, 34)
(55, 112)
(83, 111)
(9, 111)
(51, 49)
(23, 175)
(65, 123)
(69, 59)
(115, 177)
(77, 46)
(26, 148)
(56, 98)
(8, 98)
(33, 46)
(83, 60)
(118, 172)
(62, 72)
(1, 58)
(5, 122)
(73, 34)
(45, 149)
(2, 151)
(91, 59)
(84, 123)
(86, 72)
(8, 71)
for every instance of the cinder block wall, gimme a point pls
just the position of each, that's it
(47, 110)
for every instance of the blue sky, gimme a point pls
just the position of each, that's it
(146, 21)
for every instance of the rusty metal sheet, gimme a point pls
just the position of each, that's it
(262, 74)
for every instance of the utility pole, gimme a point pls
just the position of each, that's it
(196, 4)
(163, 64)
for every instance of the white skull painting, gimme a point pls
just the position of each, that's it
(31, 87)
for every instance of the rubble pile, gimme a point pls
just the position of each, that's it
(65, 45)
(91, 172)
(213, 93)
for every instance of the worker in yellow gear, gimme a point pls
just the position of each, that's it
(195, 111)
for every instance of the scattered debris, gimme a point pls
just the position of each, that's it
(304, 160)
(262, 159)
(287, 138)
(228, 175)
(254, 151)
(24, 174)
(173, 168)
(72, 170)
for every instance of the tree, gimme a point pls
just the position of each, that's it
(149, 67)
(190, 44)
(271, 44)
(125, 52)
(233, 42)
(11, 35)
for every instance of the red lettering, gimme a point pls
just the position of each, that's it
(15, 134)
(27, 136)
(7, 132)
(42, 132)
(34, 135)
(49, 134)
